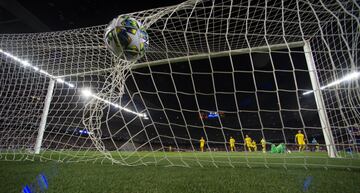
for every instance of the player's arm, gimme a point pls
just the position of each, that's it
(296, 138)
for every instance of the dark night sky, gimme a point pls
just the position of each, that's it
(65, 14)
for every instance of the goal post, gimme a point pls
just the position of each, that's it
(44, 116)
(325, 124)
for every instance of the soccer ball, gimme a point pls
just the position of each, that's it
(126, 37)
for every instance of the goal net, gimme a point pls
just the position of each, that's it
(213, 70)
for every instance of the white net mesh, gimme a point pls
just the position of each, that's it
(241, 62)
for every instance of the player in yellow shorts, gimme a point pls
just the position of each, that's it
(300, 140)
(202, 144)
(232, 144)
(263, 145)
(248, 143)
(253, 145)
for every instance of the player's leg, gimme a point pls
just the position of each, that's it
(301, 147)
(264, 149)
(249, 147)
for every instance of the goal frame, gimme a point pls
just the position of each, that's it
(325, 124)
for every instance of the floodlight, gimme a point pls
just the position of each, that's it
(348, 77)
(86, 92)
(60, 80)
(70, 85)
(25, 63)
(35, 68)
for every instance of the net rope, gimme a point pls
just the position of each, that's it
(243, 60)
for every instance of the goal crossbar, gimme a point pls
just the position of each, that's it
(267, 48)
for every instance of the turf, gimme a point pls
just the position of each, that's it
(107, 177)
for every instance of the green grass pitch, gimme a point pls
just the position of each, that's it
(206, 172)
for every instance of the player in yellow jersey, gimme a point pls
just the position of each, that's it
(253, 145)
(263, 145)
(317, 147)
(202, 144)
(248, 142)
(300, 140)
(232, 143)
